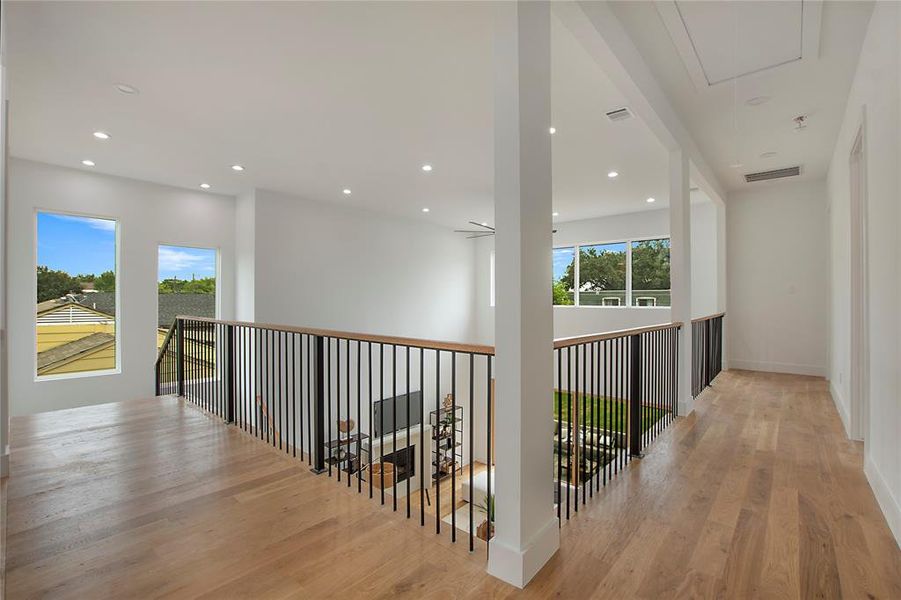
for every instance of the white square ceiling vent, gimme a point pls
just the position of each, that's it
(720, 41)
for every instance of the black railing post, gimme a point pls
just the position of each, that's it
(231, 381)
(635, 399)
(319, 417)
(180, 362)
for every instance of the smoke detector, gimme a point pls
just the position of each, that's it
(800, 123)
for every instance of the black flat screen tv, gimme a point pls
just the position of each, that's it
(383, 414)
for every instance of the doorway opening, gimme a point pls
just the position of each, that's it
(860, 361)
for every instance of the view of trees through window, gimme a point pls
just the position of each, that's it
(651, 273)
(76, 294)
(600, 277)
(187, 285)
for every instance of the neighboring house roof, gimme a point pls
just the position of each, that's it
(195, 305)
(71, 351)
(69, 311)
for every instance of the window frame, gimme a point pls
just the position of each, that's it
(117, 370)
(218, 251)
(578, 281)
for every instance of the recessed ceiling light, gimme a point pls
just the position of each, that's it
(426, 168)
(425, 210)
(205, 186)
(612, 174)
(769, 154)
(737, 165)
(101, 135)
(88, 163)
(650, 200)
(553, 130)
(127, 89)
(237, 168)
(346, 192)
(555, 214)
(757, 100)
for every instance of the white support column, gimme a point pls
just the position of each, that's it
(721, 272)
(680, 267)
(527, 533)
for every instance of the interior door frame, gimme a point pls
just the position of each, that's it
(859, 286)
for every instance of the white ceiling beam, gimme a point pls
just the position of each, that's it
(602, 35)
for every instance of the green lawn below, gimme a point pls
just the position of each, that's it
(617, 412)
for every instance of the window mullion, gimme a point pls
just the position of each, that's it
(629, 273)
(577, 278)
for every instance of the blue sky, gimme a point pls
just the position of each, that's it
(185, 263)
(77, 245)
(564, 256)
(84, 245)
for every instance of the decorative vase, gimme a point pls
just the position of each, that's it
(485, 530)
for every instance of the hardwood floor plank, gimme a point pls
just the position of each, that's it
(757, 493)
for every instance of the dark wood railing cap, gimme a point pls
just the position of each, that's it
(708, 317)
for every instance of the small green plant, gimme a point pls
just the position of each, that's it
(486, 506)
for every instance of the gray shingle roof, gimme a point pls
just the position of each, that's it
(71, 350)
(170, 305)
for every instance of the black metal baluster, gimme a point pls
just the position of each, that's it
(328, 399)
(360, 464)
(591, 427)
(407, 445)
(437, 462)
(382, 422)
(472, 461)
(336, 451)
(347, 408)
(569, 427)
(294, 420)
(424, 474)
(559, 394)
(454, 447)
(492, 514)
(582, 415)
(394, 425)
(371, 439)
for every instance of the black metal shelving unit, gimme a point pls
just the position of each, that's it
(447, 441)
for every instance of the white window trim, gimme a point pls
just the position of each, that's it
(118, 317)
(577, 283)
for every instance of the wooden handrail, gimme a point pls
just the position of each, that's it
(609, 335)
(361, 337)
(708, 317)
(432, 344)
(165, 345)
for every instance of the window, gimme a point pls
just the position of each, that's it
(564, 276)
(602, 275)
(627, 273)
(76, 309)
(187, 285)
(651, 273)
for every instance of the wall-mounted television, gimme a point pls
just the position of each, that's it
(383, 414)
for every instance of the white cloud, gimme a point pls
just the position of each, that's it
(101, 224)
(176, 259)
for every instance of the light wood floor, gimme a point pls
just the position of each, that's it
(757, 494)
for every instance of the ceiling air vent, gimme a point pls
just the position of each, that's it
(620, 114)
(774, 174)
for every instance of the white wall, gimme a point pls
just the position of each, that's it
(875, 98)
(4, 376)
(778, 246)
(336, 267)
(245, 236)
(148, 215)
(581, 320)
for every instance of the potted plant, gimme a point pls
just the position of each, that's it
(485, 530)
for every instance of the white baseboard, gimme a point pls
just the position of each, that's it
(777, 367)
(887, 502)
(840, 406)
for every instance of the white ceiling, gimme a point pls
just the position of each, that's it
(311, 98)
(727, 130)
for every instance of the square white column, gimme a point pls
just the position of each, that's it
(526, 533)
(680, 268)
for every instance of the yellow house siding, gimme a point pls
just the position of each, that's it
(51, 336)
(102, 360)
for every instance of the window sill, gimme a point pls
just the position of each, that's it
(84, 375)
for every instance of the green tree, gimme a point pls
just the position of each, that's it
(601, 270)
(561, 294)
(651, 265)
(55, 284)
(173, 285)
(105, 282)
